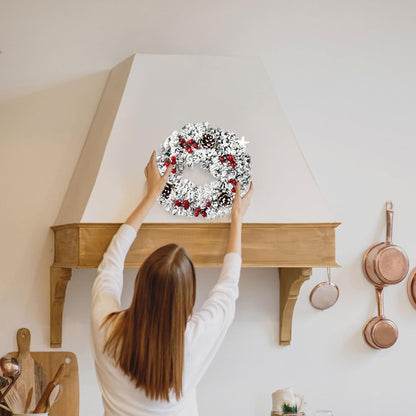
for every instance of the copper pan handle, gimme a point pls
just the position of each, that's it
(328, 271)
(380, 303)
(389, 228)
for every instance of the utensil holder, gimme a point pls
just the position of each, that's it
(30, 414)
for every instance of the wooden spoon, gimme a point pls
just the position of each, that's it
(54, 396)
(43, 402)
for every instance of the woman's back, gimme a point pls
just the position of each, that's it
(197, 342)
(204, 333)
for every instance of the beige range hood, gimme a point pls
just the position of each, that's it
(146, 98)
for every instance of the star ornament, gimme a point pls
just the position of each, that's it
(243, 142)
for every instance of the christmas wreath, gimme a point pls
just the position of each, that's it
(215, 150)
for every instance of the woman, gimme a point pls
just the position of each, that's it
(150, 357)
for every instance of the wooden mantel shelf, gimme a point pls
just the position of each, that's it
(293, 248)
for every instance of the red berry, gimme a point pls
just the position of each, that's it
(177, 203)
(234, 181)
(204, 214)
(167, 163)
(198, 209)
(189, 150)
(222, 159)
(196, 214)
(182, 140)
(195, 145)
(233, 190)
(208, 204)
(230, 181)
(190, 141)
(173, 158)
(230, 158)
(173, 162)
(173, 171)
(233, 164)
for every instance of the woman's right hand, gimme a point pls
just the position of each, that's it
(155, 182)
(241, 204)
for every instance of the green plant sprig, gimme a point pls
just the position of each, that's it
(288, 408)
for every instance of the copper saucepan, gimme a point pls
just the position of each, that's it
(411, 287)
(380, 332)
(385, 263)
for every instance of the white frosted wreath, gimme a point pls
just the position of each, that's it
(217, 151)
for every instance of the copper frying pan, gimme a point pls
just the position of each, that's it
(380, 332)
(411, 287)
(385, 263)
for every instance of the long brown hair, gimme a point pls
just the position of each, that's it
(147, 339)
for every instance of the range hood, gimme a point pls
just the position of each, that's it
(146, 98)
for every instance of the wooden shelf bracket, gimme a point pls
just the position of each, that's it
(291, 280)
(59, 278)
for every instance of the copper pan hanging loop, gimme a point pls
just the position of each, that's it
(389, 218)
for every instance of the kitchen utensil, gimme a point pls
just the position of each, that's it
(28, 399)
(5, 408)
(56, 393)
(380, 332)
(15, 402)
(12, 369)
(43, 402)
(3, 382)
(22, 393)
(68, 404)
(411, 287)
(325, 294)
(16, 398)
(30, 414)
(385, 263)
(10, 366)
(33, 374)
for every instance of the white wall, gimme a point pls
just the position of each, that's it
(344, 73)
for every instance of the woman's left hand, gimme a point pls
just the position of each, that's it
(155, 182)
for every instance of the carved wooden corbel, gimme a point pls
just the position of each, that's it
(291, 280)
(59, 278)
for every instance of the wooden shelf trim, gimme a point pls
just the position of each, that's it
(293, 248)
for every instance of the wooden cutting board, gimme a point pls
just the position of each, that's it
(33, 376)
(68, 403)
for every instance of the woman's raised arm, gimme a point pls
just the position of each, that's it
(240, 206)
(155, 184)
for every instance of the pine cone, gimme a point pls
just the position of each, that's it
(208, 141)
(224, 199)
(167, 190)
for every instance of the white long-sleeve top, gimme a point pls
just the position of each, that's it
(203, 336)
